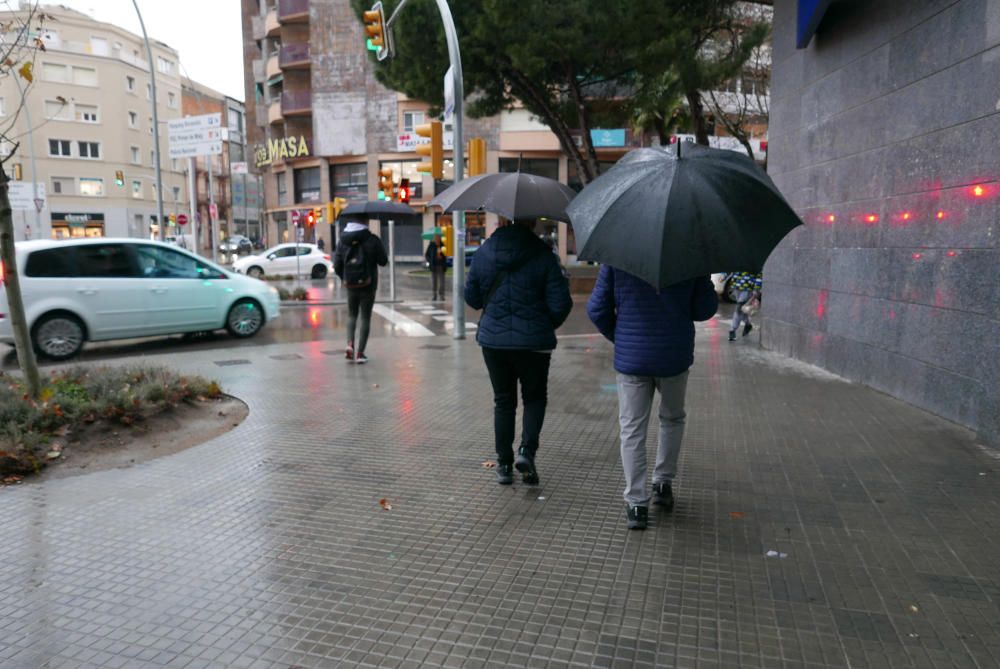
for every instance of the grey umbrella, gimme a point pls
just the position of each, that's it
(382, 210)
(666, 218)
(513, 195)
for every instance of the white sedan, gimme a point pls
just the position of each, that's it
(288, 258)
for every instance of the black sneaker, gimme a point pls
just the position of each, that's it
(663, 495)
(505, 474)
(360, 359)
(637, 516)
(746, 329)
(525, 463)
(732, 335)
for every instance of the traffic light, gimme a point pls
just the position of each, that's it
(334, 208)
(477, 156)
(318, 215)
(449, 240)
(18, 172)
(433, 150)
(379, 39)
(404, 191)
(385, 184)
(310, 218)
(119, 178)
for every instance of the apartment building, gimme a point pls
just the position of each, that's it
(87, 117)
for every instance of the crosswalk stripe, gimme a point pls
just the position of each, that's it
(409, 326)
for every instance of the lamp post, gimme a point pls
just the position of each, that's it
(156, 125)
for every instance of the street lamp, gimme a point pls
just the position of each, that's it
(156, 124)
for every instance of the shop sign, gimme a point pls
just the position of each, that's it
(600, 137)
(407, 141)
(282, 148)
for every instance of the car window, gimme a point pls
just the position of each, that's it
(305, 250)
(59, 262)
(285, 252)
(160, 263)
(104, 260)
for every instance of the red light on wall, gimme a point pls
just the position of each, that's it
(906, 216)
(871, 218)
(831, 218)
(940, 215)
(917, 256)
(951, 254)
(977, 191)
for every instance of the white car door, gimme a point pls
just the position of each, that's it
(106, 291)
(181, 293)
(281, 260)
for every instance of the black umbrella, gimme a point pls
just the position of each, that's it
(666, 218)
(513, 195)
(382, 210)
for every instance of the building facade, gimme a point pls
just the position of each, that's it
(883, 136)
(87, 118)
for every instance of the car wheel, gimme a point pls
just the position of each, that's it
(319, 272)
(245, 318)
(58, 336)
(255, 272)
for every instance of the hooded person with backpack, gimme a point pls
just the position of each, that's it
(518, 283)
(356, 261)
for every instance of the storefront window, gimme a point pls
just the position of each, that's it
(307, 185)
(407, 170)
(91, 187)
(349, 181)
(282, 188)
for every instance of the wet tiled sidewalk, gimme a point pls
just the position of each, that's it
(268, 547)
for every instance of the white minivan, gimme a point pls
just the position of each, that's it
(98, 289)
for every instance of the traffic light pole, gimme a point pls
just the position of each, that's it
(458, 148)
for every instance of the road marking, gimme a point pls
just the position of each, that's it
(443, 319)
(436, 312)
(410, 327)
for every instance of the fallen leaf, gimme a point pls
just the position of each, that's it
(11, 480)
(736, 515)
(384, 503)
(489, 464)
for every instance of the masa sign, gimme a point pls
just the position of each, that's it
(281, 149)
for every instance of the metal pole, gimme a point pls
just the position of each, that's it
(193, 204)
(458, 270)
(156, 126)
(213, 242)
(31, 158)
(392, 261)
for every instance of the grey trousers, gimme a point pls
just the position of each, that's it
(635, 402)
(738, 315)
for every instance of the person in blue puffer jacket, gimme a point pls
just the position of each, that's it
(518, 283)
(653, 334)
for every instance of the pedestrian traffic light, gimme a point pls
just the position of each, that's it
(404, 191)
(432, 150)
(119, 178)
(310, 218)
(379, 39)
(449, 240)
(385, 184)
(477, 156)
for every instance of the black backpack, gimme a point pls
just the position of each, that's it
(356, 271)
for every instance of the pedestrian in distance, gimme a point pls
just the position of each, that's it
(653, 334)
(748, 291)
(320, 244)
(438, 263)
(519, 286)
(357, 258)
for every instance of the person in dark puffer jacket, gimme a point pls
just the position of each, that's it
(518, 283)
(653, 334)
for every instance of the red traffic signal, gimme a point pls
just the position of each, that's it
(404, 191)
(310, 218)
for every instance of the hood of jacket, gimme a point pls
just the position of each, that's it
(513, 245)
(355, 235)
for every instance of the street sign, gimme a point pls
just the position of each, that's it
(195, 136)
(296, 217)
(449, 95)
(239, 168)
(182, 219)
(22, 196)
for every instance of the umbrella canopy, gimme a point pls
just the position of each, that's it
(429, 234)
(513, 195)
(666, 218)
(382, 210)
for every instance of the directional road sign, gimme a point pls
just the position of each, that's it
(195, 136)
(22, 196)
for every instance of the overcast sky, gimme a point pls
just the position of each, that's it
(206, 33)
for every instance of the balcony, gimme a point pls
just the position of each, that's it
(293, 11)
(271, 26)
(257, 27)
(294, 57)
(296, 103)
(271, 70)
(274, 113)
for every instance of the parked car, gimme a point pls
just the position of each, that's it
(100, 289)
(287, 259)
(469, 252)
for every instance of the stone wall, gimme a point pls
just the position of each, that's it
(885, 137)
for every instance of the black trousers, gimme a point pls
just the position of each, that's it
(360, 302)
(506, 369)
(437, 281)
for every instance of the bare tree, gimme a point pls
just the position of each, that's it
(20, 41)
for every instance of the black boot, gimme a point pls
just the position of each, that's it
(505, 474)
(525, 463)
(637, 517)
